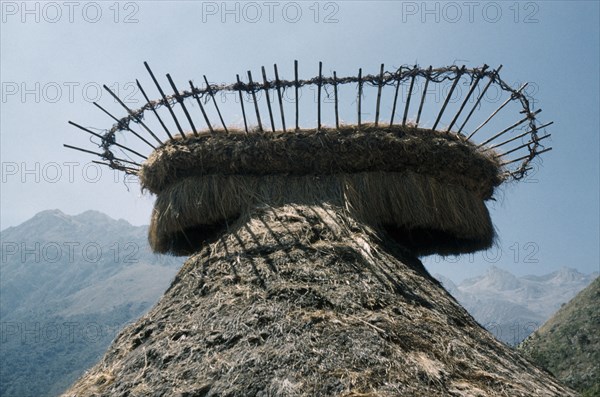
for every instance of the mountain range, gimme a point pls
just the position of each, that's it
(68, 284)
(513, 307)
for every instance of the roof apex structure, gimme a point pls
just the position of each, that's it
(423, 183)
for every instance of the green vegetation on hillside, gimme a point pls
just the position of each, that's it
(568, 345)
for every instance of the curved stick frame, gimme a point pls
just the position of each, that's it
(405, 74)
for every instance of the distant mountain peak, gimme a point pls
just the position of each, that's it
(566, 274)
(48, 219)
(44, 219)
(501, 279)
(54, 211)
(567, 270)
(493, 270)
(448, 284)
(50, 214)
(95, 216)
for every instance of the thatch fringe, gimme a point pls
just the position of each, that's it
(426, 215)
(349, 149)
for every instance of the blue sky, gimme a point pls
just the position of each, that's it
(55, 57)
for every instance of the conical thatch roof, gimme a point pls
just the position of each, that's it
(303, 300)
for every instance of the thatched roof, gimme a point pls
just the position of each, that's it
(304, 278)
(305, 300)
(426, 188)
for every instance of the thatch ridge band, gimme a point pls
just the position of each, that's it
(326, 152)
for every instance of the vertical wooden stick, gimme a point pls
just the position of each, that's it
(398, 75)
(266, 87)
(410, 90)
(180, 100)
(379, 87)
(251, 83)
(164, 97)
(359, 94)
(296, 85)
(237, 76)
(212, 95)
(319, 96)
(471, 89)
(335, 93)
(201, 107)
(456, 80)
(480, 97)
(154, 110)
(423, 95)
(279, 96)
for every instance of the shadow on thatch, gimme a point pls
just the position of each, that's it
(304, 301)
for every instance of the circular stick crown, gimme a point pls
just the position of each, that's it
(424, 178)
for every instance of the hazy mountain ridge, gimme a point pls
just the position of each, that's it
(53, 258)
(50, 224)
(512, 307)
(68, 284)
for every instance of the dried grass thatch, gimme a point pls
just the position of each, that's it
(424, 214)
(426, 188)
(349, 149)
(306, 301)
